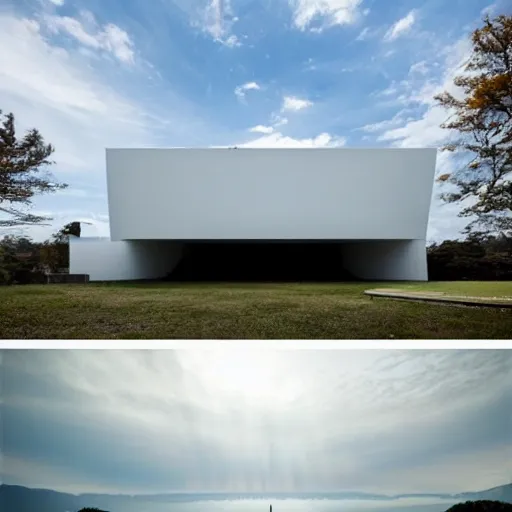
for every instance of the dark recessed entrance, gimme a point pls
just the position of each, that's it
(273, 261)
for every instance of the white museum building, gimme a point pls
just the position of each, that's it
(372, 205)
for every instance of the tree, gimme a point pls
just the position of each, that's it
(55, 252)
(474, 258)
(51, 257)
(73, 228)
(23, 173)
(483, 118)
(61, 242)
(19, 260)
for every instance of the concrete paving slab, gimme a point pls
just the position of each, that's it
(440, 297)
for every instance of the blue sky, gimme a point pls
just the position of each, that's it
(265, 73)
(256, 420)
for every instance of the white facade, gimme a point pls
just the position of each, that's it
(104, 260)
(375, 201)
(335, 194)
(404, 260)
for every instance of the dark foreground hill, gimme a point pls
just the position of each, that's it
(481, 506)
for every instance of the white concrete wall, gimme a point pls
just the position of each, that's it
(340, 194)
(104, 260)
(387, 260)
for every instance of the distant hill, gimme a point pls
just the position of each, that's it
(501, 493)
(15, 498)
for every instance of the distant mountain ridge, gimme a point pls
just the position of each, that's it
(15, 498)
(500, 493)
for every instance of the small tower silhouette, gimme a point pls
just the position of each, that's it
(271, 507)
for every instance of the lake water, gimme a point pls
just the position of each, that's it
(290, 505)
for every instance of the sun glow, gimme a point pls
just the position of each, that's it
(257, 376)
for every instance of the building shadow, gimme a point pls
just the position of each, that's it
(273, 261)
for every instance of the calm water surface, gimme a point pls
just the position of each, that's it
(297, 505)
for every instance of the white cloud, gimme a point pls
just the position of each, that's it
(401, 27)
(215, 18)
(398, 92)
(54, 85)
(262, 129)
(420, 68)
(444, 222)
(109, 38)
(218, 21)
(334, 12)
(60, 93)
(425, 130)
(292, 103)
(58, 3)
(417, 133)
(231, 42)
(396, 120)
(490, 9)
(278, 120)
(390, 90)
(273, 138)
(47, 75)
(278, 140)
(242, 89)
(118, 42)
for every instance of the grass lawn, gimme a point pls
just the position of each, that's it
(227, 311)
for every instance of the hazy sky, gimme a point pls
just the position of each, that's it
(92, 74)
(260, 420)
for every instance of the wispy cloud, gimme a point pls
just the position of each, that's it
(110, 38)
(381, 126)
(219, 20)
(294, 104)
(257, 420)
(418, 121)
(401, 27)
(278, 140)
(72, 101)
(364, 34)
(262, 129)
(331, 12)
(425, 130)
(241, 90)
(60, 95)
(420, 68)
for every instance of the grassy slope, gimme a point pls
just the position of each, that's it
(322, 311)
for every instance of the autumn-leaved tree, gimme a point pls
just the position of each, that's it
(23, 173)
(483, 119)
